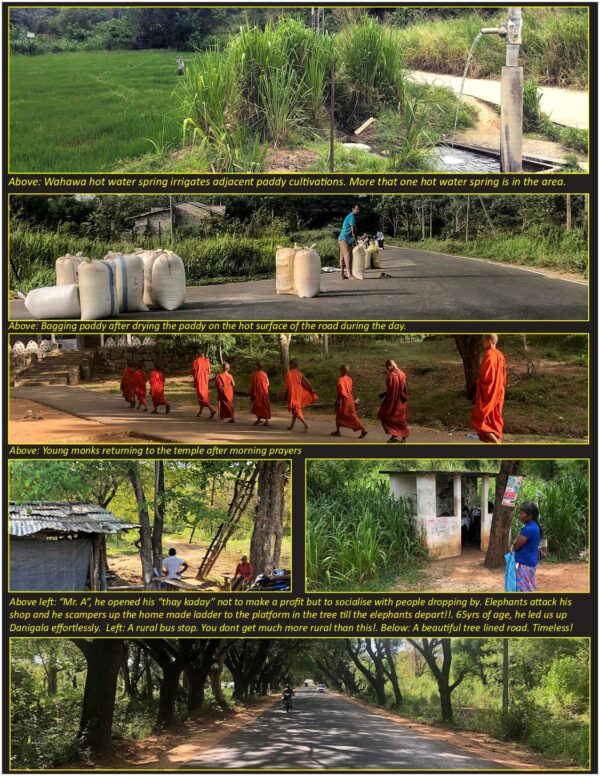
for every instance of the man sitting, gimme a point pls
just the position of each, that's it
(243, 574)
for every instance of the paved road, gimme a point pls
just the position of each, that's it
(423, 286)
(183, 426)
(569, 107)
(330, 732)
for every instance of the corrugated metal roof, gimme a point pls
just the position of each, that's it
(63, 516)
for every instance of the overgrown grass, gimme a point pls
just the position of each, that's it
(83, 111)
(548, 247)
(554, 50)
(357, 534)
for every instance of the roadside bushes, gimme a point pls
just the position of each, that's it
(358, 535)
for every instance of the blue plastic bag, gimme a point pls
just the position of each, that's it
(510, 575)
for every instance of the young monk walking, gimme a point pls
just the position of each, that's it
(157, 390)
(201, 375)
(299, 394)
(127, 387)
(225, 385)
(393, 412)
(345, 406)
(259, 395)
(486, 418)
(139, 385)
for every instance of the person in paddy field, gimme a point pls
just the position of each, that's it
(139, 385)
(347, 240)
(299, 394)
(345, 406)
(393, 411)
(157, 390)
(259, 395)
(486, 418)
(127, 386)
(201, 376)
(225, 386)
(526, 547)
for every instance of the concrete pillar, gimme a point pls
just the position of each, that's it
(511, 120)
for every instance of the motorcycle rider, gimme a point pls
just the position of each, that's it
(287, 695)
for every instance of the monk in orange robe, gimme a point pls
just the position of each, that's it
(299, 394)
(345, 406)
(489, 396)
(259, 395)
(393, 411)
(127, 385)
(139, 386)
(225, 385)
(157, 390)
(201, 375)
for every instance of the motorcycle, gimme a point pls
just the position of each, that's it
(287, 703)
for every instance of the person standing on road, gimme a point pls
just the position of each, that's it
(379, 239)
(259, 395)
(393, 411)
(299, 394)
(225, 385)
(347, 240)
(127, 385)
(201, 376)
(526, 547)
(345, 406)
(139, 386)
(486, 418)
(157, 390)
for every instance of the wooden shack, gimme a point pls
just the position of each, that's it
(159, 221)
(438, 499)
(60, 545)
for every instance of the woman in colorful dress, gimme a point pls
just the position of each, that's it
(526, 547)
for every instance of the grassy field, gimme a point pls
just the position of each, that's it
(96, 108)
(551, 403)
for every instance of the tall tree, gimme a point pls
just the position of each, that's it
(470, 347)
(159, 514)
(438, 655)
(135, 479)
(374, 675)
(265, 545)
(501, 518)
(103, 658)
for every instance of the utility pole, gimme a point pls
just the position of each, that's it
(505, 676)
(332, 118)
(467, 220)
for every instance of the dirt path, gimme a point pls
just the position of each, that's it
(109, 411)
(467, 574)
(569, 107)
(128, 570)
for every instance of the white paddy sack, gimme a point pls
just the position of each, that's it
(67, 269)
(376, 258)
(129, 281)
(148, 258)
(97, 291)
(358, 262)
(54, 302)
(168, 281)
(369, 256)
(284, 270)
(307, 272)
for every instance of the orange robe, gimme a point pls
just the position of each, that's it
(157, 387)
(201, 374)
(259, 393)
(393, 412)
(139, 384)
(345, 408)
(489, 396)
(127, 383)
(224, 384)
(298, 392)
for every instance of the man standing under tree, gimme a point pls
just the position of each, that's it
(347, 241)
(201, 375)
(489, 397)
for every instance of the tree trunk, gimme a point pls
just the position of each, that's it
(104, 658)
(569, 224)
(145, 528)
(159, 514)
(392, 673)
(216, 674)
(171, 674)
(445, 699)
(470, 348)
(269, 517)
(52, 680)
(284, 353)
(501, 519)
(196, 679)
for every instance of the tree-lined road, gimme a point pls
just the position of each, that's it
(423, 286)
(325, 731)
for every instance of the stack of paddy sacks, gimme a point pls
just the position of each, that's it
(93, 290)
(298, 271)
